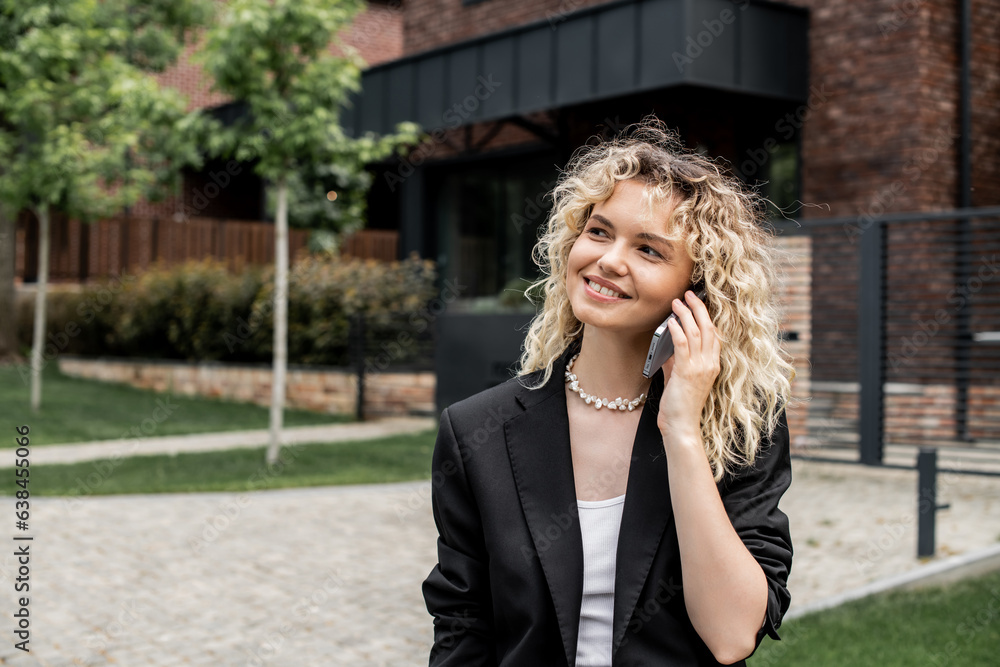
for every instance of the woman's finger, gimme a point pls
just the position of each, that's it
(679, 339)
(691, 331)
(706, 328)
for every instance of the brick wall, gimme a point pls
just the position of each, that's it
(431, 23)
(833, 415)
(794, 290)
(322, 390)
(986, 103)
(377, 34)
(886, 138)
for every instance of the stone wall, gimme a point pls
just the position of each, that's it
(794, 296)
(921, 414)
(324, 390)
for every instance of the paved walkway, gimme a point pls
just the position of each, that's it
(331, 576)
(105, 449)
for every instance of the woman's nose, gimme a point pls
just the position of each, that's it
(613, 260)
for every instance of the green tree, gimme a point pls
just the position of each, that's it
(274, 57)
(8, 228)
(84, 127)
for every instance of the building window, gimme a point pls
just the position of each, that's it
(782, 188)
(487, 218)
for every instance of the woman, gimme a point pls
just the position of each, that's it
(589, 515)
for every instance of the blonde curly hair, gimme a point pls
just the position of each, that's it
(734, 258)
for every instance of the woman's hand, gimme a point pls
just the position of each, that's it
(691, 371)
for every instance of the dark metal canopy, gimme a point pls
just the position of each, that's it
(620, 48)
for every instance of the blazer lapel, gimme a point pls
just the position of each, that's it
(539, 449)
(542, 462)
(646, 513)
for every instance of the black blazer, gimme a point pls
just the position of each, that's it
(509, 581)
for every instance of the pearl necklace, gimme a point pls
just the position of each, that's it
(598, 403)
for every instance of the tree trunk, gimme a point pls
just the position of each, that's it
(280, 360)
(38, 339)
(8, 297)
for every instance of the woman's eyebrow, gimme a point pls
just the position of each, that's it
(642, 235)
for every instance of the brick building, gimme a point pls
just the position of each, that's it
(843, 109)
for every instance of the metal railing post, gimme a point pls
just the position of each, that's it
(871, 343)
(359, 355)
(927, 505)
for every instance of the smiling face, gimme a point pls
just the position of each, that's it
(635, 264)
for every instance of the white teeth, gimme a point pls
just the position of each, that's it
(604, 290)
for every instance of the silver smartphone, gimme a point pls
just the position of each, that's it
(662, 345)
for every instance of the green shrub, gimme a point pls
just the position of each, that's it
(68, 318)
(201, 311)
(179, 312)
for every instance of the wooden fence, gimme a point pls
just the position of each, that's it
(81, 252)
(381, 244)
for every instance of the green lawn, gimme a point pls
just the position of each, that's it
(957, 626)
(77, 410)
(391, 459)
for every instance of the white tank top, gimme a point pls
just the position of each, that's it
(600, 521)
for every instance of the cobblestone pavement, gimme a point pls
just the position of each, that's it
(331, 576)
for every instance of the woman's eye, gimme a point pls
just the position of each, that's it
(652, 252)
(594, 230)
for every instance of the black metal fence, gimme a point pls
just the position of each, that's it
(390, 342)
(905, 325)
